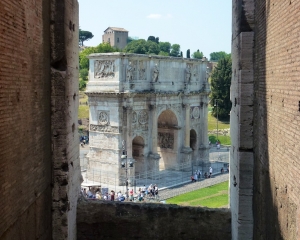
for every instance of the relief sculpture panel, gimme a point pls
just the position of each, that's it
(104, 69)
(103, 118)
(166, 140)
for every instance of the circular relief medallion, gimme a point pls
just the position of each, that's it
(143, 117)
(134, 117)
(196, 112)
(103, 118)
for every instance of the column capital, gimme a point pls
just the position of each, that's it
(186, 105)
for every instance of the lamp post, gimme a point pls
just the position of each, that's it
(124, 164)
(216, 105)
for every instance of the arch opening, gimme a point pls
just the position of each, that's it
(167, 143)
(138, 154)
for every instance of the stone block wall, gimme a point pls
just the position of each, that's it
(39, 162)
(113, 220)
(241, 120)
(25, 142)
(277, 119)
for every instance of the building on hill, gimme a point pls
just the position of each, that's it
(117, 37)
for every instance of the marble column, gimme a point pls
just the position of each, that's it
(187, 126)
(129, 132)
(154, 155)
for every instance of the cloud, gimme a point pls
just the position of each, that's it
(159, 16)
(154, 16)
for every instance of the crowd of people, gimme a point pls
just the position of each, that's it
(143, 192)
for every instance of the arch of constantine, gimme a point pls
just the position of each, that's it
(156, 105)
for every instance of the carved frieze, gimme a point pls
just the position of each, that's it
(131, 71)
(143, 117)
(142, 71)
(134, 117)
(155, 74)
(104, 69)
(104, 128)
(195, 111)
(166, 140)
(188, 73)
(103, 118)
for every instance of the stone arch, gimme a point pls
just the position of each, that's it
(167, 133)
(178, 119)
(138, 154)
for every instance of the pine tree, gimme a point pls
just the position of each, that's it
(188, 53)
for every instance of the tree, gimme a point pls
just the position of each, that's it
(161, 53)
(152, 48)
(197, 55)
(188, 53)
(157, 40)
(83, 74)
(216, 56)
(220, 88)
(84, 36)
(151, 38)
(175, 50)
(136, 46)
(165, 47)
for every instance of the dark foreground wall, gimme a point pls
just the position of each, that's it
(276, 120)
(113, 220)
(39, 159)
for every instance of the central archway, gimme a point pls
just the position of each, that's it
(167, 139)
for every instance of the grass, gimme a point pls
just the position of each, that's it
(83, 110)
(215, 196)
(225, 140)
(212, 123)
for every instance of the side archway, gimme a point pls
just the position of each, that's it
(138, 145)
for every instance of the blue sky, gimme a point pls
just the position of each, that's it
(193, 24)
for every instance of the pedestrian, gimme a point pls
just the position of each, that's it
(205, 174)
(112, 195)
(144, 189)
(210, 171)
(196, 177)
(199, 174)
(192, 178)
(131, 195)
(222, 170)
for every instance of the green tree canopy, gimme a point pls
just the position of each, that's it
(84, 36)
(165, 47)
(151, 38)
(142, 46)
(220, 88)
(216, 56)
(136, 46)
(197, 55)
(175, 50)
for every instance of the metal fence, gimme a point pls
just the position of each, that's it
(163, 178)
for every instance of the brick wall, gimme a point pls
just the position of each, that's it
(108, 220)
(277, 119)
(25, 146)
(39, 159)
